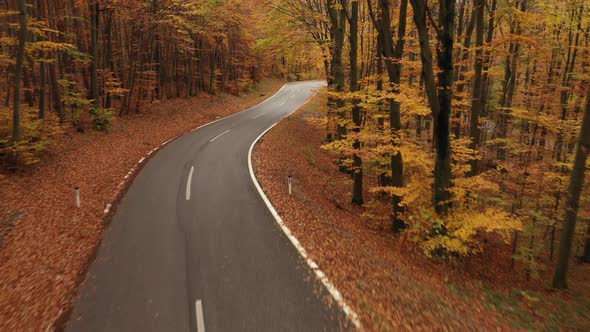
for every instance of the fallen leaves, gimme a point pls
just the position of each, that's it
(48, 242)
(390, 284)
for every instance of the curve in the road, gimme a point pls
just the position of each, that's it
(350, 313)
(192, 246)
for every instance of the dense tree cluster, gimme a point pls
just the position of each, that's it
(462, 117)
(81, 62)
(458, 120)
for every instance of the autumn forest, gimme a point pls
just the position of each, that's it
(458, 130)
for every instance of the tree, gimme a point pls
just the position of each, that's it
(477, 96)
(393, 56)
(162, 49)
(573, 200)
(439, 96)
(510, 74)
(357, 191)
(586, 256)
(337, 17)
(94, 17)
(18, 70)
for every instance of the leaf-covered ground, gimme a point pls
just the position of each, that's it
(390, 284)
(46, 243)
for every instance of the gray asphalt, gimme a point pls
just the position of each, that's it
(163, 252)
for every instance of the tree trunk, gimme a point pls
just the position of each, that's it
(108, 35)
(337, 18)
(18, 70)
(212, 69)
(94, 12)
(461, 69)
(565, 93)
(477, 84)
(442, 167)
(394, 70)
(488, 59)
(586, 256)
(509, 83)
(573, 201)
(357, 191)
(53, 70)
(42, 90)
(439, 98)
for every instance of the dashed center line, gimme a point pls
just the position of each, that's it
(189, 182)
(216, 137)
(199, 316)
(259, 115)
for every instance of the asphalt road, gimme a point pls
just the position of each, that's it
(192, 246)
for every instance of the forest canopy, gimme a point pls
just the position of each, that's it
(460, 122)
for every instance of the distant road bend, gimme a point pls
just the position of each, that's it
(193, 247)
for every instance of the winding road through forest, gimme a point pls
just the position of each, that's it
(193, 247)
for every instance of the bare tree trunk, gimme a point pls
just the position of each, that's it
(586, 256)
(53, 77)
(337, 18)
(357, 191)
(94, 16)
(476, 103)
(42, 90)
(573, 201)
(213, 66)
(18, 70)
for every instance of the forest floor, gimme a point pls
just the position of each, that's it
(46, 243)
(390, 283)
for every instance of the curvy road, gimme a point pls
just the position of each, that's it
(193, 247)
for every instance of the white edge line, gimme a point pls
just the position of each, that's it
(189, 182)
(199, 316)
(352, 316)
(218, 136)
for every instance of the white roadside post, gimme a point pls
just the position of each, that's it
(77, 197)
(290, 186)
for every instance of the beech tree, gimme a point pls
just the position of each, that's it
(86, 61)
(357, 190)
(439, 95)
(477, 95)
(572, 204)
(458, 127)
(18, 69)
(337, 17)
(393, 55)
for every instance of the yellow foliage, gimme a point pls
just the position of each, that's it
(36, 135)
(462, 228)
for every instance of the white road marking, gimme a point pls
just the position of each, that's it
(216, 137)
(189, 182)
(199, 316)
(259, 115)
(350, 313)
